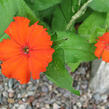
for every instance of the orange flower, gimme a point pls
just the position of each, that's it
(28, 50)
(102, 49)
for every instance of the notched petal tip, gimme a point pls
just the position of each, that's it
(21, 19)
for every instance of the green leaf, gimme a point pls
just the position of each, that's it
(59, 22)
(73, 66)
(44, 4)
(100, 5)
(107, 22)
(57, 73)
(11, 8)
(93, 26)
(25, 11)
(76, 49)
(7, 11)
(62, 15)
(76, 4)
(5, 36)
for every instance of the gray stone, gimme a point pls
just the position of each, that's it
(79, 104)
(81, 70)
(74, 107)
(11, 94)
(1, 98)
(23, 106)
(4, 107)
(67, 94)
(30, 93)
(100, 79)
(55, 106)
(34, 102)
(45, 89)
(28, 107)
(19, 95)
(5, 94)
(97, 98)
(11, 83)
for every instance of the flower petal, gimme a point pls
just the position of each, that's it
(18, 30)
(39, 60)
(17, 68)
(98, 52)
(38, 37)
(105, 55)
(8, 48)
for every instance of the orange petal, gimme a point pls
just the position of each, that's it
(38, 37)
(105, 55)
(39, 60)
(105, 37)
(100, 44)
(99, 51)
(8, 48)
(17, 68)
(18, 30)
(35, 68)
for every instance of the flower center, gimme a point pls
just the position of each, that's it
(26, 50)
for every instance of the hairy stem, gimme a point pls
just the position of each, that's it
(78, 14)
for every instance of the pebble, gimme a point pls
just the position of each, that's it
(1, 87)
(19, 95)
(1, 98)
(24, 99)
(11, 94)
(5, 94)
(28, 107)
(47, 106)
(30, 99)
(11, 83)
(23, 106)
(74, 107)
(4, 107)
(102, 107)
(45, 89)
(37, 105)
(43, 94)
(30, 93)
(10, 100)
(104, 98)
(67, 94)
(34, 102)
(55, 106)
(79, 104)
(97, 98)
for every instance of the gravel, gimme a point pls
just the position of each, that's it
(43, 94)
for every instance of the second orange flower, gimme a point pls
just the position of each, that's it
(102, 47)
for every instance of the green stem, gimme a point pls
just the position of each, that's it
(78, 14)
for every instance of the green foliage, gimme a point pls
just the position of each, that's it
(7, 11)
(4, 36)
(73, 66)
(93, 26)
(57, 73)
(76, 49)
(44, 4)
(25, 11)
(76, 4)
(59, 21)
(11, 8)
(100, 5)
(107, 22)
(62, 15)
